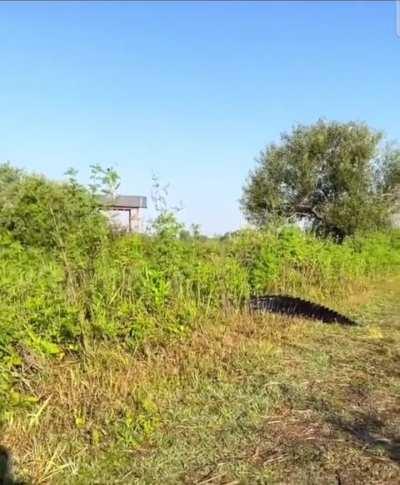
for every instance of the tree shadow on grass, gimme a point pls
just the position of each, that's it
(369, 430)
(6, 475)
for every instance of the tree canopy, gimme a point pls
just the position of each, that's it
(335, 176)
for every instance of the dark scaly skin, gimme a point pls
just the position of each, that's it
(5, 468)
(292, 306)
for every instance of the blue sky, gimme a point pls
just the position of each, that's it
(189, 91)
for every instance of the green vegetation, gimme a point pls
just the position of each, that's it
(335, 176)
(109, 339)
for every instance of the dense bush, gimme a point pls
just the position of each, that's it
(140, 286)
(55, 216)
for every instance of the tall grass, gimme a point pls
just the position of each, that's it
(140, 286)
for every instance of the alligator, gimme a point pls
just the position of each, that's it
(296, 307)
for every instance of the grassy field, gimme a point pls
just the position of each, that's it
(246, 400)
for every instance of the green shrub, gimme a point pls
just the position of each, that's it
(49, 215)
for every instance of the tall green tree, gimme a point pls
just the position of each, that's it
(332, 175)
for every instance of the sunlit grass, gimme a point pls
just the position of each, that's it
(239, 400)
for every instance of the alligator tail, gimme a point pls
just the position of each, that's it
(292, 306)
